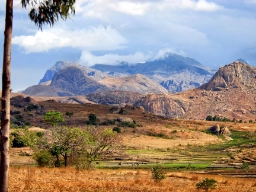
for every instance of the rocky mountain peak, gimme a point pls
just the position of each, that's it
(234, 75)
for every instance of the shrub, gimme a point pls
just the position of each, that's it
(122, 111)
(207, 184)
(43, 158)
(158, 173)
(53, 118)
(69, 114)
(127, 124)
(108, 122)
(39, 134)
(117, 129)
(245, 166)
(93, 120)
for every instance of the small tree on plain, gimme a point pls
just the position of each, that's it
(158, 173)
(207, 184)
(53, 118)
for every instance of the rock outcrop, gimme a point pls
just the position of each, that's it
(234, 75)
(217, 130)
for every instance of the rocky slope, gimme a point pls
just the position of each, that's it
(230, 93)
(235, 98)
(234, 75)
(173, 72)
(75, 80)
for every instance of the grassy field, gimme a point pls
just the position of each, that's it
(185, 150)
(120, 180)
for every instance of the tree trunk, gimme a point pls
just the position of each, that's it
(5, 100)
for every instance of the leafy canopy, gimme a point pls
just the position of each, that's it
(49, 11)
(53, 118)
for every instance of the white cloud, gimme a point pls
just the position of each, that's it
(163, 52)
(132, 8)
(200, 5)
(89, 59)
(95, 38)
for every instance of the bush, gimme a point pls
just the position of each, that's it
(70, 114)
(158, 173)
(127, 124)
(245, 166)
(117, 129)
(108, 122)
(19, 141)
(43, 158)
(207, 184)
(122, 111)
(93, 120)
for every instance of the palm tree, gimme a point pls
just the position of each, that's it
(41, 13)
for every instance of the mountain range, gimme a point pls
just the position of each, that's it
(173, 73)
(230, 92)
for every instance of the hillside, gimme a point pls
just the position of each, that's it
(174, 72)
(169, 74)
(230, 93)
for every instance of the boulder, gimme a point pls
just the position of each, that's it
(225, 131)
(215, 129)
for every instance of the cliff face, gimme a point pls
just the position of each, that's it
(174, 72)
(163, 104)
(230, 93)
(234, 75)
(75, 80)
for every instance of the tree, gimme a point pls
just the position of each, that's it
(207, 184)
(73, 145)
(100, 142)
(53, 118)
(41, 13)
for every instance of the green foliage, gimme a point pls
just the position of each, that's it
(161, 135)
(217, 118)
(108, 122)
(48, 12)
(23, 138)
(117, 129)
(39, 134)
(207, 184)
(122, 111)
(127, 124)
(158, 173)
(78, 146)
(31, 107)
(53, 118)
(43, 158)
(69, 114)
(93, 120)
(209, 118)
(246, 166)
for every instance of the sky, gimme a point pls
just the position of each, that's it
(214, 32)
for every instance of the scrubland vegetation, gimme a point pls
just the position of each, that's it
(130, 150)
(105, 180)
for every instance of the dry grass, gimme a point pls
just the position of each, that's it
(68, 179)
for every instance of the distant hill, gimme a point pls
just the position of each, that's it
(174, 72)
(230, 93)
(76, 80)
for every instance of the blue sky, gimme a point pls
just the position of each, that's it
(214, 32)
